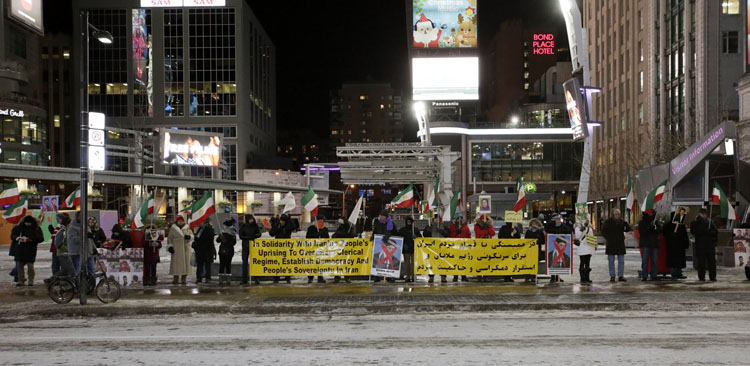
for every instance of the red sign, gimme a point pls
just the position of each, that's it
(543, 44)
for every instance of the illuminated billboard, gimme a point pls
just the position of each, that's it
(190, 148)
(445, 78)
(576, 109)
(28, 12)
(444, 23)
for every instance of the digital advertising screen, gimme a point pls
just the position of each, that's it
(445, 78)
(444, 23)
(190, 148)
(28, 12)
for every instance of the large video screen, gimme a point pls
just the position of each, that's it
(445, 78)
(576, 107)
(28, 12)
(444, 23)
(190, 148)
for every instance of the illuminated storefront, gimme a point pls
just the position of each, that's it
(23, 135)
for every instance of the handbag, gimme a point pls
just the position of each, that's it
(192, 259)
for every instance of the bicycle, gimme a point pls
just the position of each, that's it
(62, 289)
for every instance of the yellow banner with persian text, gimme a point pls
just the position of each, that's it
(476, 257)
(310, 257)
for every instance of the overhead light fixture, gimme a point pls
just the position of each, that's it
(103, 37)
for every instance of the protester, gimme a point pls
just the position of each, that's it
(73, 239)
(435, 230)
(120, 235)
(27, 235)
(409, 233)
(52, 248)
(649, 243)
(317, 230)
(676, 236)
(96, 237)
(383, 226)
(706, 234)
(227, 241)
(282, 229)
(483, 229)
(249, 231)
(585, 251)
(62, 250)
(557, 226)
(536, 231)
(507, 231)
(459, 228)
(153, 244)
(178, 241)
(344, 230)
(613, 230)
(205, 251)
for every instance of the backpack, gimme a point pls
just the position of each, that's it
(63, 248)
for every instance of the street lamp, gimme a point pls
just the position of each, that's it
(514, 120)
(105, 38)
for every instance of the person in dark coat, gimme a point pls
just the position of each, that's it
(436, 230)
(675, 234)
(556, 225)
(249, 231)
(282, 229)
(317, 230)
(153, 244)
(344, 230)
(613, 230)
(507, 231)
(649, 243)
(409, 233)
(119, 234)
(205, 251)
(227, 240)
(706, 234)
(97, 237)
(27, 235)
(536, 231)
(383, 225)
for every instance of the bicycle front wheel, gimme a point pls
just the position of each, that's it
(61, 291)
(107, 291)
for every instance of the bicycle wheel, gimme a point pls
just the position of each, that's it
(107, 291)
(61, 290)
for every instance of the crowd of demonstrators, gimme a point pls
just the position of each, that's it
(205, 251)
(178, 245)
(706, 235)
(227, 240)
(584, 249)
(249, 231)
(282, 228)
(677, 241)
(317, 230)
(649, 230)
(613, 230)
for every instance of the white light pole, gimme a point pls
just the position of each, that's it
(424, 124)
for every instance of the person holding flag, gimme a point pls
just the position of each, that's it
(706, 234)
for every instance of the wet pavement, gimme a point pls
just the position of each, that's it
(732, 292)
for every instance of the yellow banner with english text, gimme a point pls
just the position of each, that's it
(476, 257)
(310, 257)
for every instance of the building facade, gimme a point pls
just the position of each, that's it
(195, 67)
(57, 95)
(24, 132)
(366, 112)
(668, 71)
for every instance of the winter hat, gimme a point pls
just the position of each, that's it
(284, 217)
(179, 218)
(249, 217)
(62, 216)
(384, 213)
(409, 218)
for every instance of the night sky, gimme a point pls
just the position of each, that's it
(322, 44)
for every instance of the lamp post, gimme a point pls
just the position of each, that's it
(105, 38)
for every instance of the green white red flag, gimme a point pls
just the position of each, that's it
(73, 200)
(9, 194)
(404, 198)
(727, 211)
(433, 198)
(450, 211)
(17, 211)
(310, 202)
(139, 219)
(654, 196)
(201, 210)
(521, 200)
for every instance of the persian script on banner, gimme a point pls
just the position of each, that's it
(310, 257)
(476, 257)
